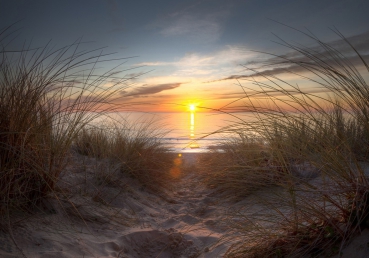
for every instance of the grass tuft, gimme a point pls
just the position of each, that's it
(315, 147)
(137, 149)
(47, 96)
(235, 163)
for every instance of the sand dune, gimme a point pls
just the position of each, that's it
(120, 218)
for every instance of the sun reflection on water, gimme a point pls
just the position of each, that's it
(193, 144)
(192, 125)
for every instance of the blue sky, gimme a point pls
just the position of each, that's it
(191, 51)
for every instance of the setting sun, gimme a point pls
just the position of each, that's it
(192, 107)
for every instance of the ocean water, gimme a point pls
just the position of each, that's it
(188, 131)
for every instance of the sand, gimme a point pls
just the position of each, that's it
(121, 218)
(94, 217)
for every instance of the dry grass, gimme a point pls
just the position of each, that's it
(47, 96)
(137, 149)
(49, 102)
(316, 148)
(238, 162)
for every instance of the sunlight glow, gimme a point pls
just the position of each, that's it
(192, 107)
(192, 125)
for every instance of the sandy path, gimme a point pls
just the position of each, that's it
(197, 215)
(191, 217)
(135, 223)
(127, 221)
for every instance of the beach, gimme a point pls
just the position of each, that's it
(87, 220)
(78, 182)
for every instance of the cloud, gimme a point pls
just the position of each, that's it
(190, 59)
(294, 61)
(229, 55)
(201, 29)
(360, 42)
(196, 22)
(153, 64)
(148, 90)
(205, 67)
(134, 76)
(267, 93)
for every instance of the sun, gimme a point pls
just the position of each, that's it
(192, 107)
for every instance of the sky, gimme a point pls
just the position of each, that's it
(186, 51)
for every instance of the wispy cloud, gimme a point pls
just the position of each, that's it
(196, 22)
(153, 64)
(294, 61)
(265, 94)
(151, 89)
(201, 29)
(229, 55)
(213, 65)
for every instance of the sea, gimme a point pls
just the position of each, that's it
(187, 132)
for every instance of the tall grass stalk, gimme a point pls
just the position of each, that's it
(317, 148)
(137, 149)
(47, 96)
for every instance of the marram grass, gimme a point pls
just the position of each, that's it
(47, 96)
(313, 148)
(138, 149)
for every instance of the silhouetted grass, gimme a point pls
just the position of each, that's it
(238, 167)
(316, 149)
(137, 149)
(47, 96)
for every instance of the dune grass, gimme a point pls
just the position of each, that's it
(235, 163)
(47, 96)
(50, 100)
(315, 152)
(138, 149)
